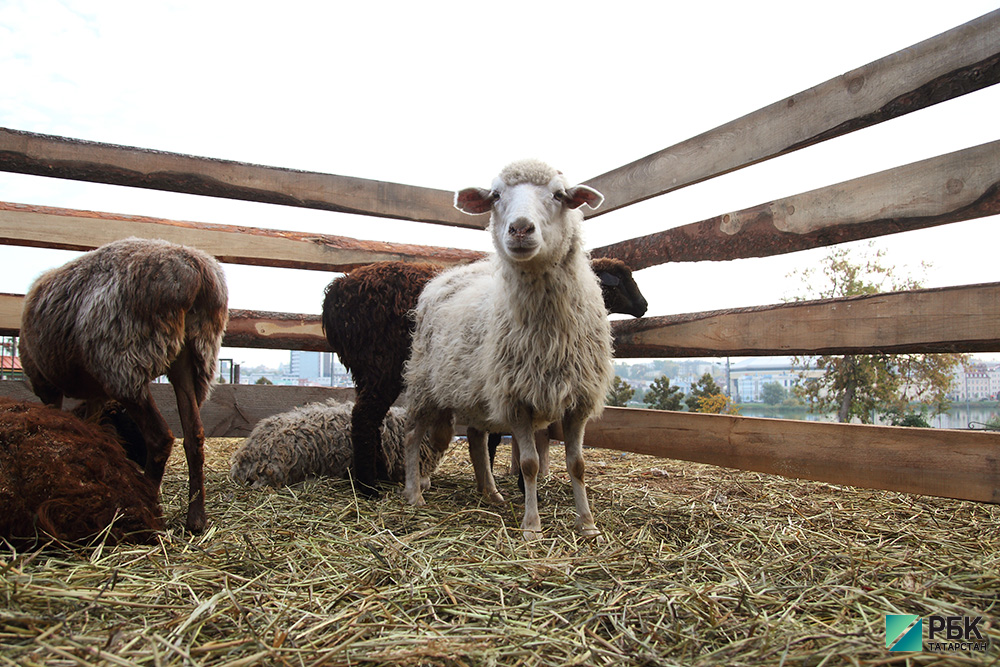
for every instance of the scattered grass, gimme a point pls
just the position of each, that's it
(699, 566)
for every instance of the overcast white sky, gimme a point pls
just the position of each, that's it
(443, 94)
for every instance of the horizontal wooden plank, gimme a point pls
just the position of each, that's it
(279, 331)
(68, 229)
(60, 157)
(953, 319)
(935, 462)
(230, 412)
(954, 63)
(938, 462)
(958, 186)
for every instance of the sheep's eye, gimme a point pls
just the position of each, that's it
(559, 196)
(494, 195)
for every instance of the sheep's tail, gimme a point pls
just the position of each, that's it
(205, 323)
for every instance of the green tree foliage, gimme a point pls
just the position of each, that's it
(263, 380)
(773, 393)
(661, 395)
(863, 386)
(620, 394)
(703, 388)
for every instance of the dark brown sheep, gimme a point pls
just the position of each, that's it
(66, 480)
(367, 323)
(107, 323)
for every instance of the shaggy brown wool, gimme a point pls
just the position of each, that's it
(65, 480)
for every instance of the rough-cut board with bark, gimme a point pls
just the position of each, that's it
(954, 63)
(929, 461)
(67, 229)
(945, 189)
(59, 157)
(951, 319)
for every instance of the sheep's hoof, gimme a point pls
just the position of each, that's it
(531, 535)
(495, 498)
(591, 533)
(195, 523)
(368, 491)
(415, 499)
(425, 483)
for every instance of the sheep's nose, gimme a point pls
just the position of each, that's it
(521, 227)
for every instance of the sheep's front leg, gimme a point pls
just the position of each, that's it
(485, 482)
(411, 459)
(531, 525)
(573, 426)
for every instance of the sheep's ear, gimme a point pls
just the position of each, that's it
(474, 201)
(579, 195)
(609, 279)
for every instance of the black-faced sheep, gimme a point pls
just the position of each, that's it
(107, 323)
(315, 441)
(372, 303)
(65, 480)
(516, 341)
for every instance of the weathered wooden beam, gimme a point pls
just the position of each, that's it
(68, 229)
(281, 331)
(935, 462)
(958, 186)
(59, 157)
(951, 319)
(954, 63)
(231, 411)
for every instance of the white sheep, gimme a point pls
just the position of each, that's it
(516, 341)
(314, 440)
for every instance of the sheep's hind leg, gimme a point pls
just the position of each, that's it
(182, 376)
(531, 525)
(485, 482)
(366, 419)
(573, 426)
(159, 439)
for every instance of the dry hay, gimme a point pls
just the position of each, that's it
(701, 566)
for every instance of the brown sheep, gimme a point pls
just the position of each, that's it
(107, 323)
(69, 481)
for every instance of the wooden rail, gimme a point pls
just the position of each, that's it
(67, 229)
(935, 462)
(958, 186)
(952, 319)
(954, 63)
(59, 157)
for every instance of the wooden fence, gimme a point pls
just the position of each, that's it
(949, 188)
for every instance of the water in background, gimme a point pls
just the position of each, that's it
(958, 417)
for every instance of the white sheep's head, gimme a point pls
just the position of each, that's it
(535, 213)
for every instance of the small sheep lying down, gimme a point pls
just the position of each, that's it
(66, 480)
(315, 441)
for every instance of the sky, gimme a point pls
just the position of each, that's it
(444, 94)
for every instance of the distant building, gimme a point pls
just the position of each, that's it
(308, 368)
(748, 377)
(976, 382)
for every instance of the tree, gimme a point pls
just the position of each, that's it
(263, 380)
(865, 385)
(773, 393)
(620, 394)
(662, 396)
(703, 388)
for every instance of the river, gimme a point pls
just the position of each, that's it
(958, 417)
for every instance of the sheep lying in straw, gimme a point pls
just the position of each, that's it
(105, 324)
(69, 481)
(315, 441)
(373, 303)
(516, 341)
